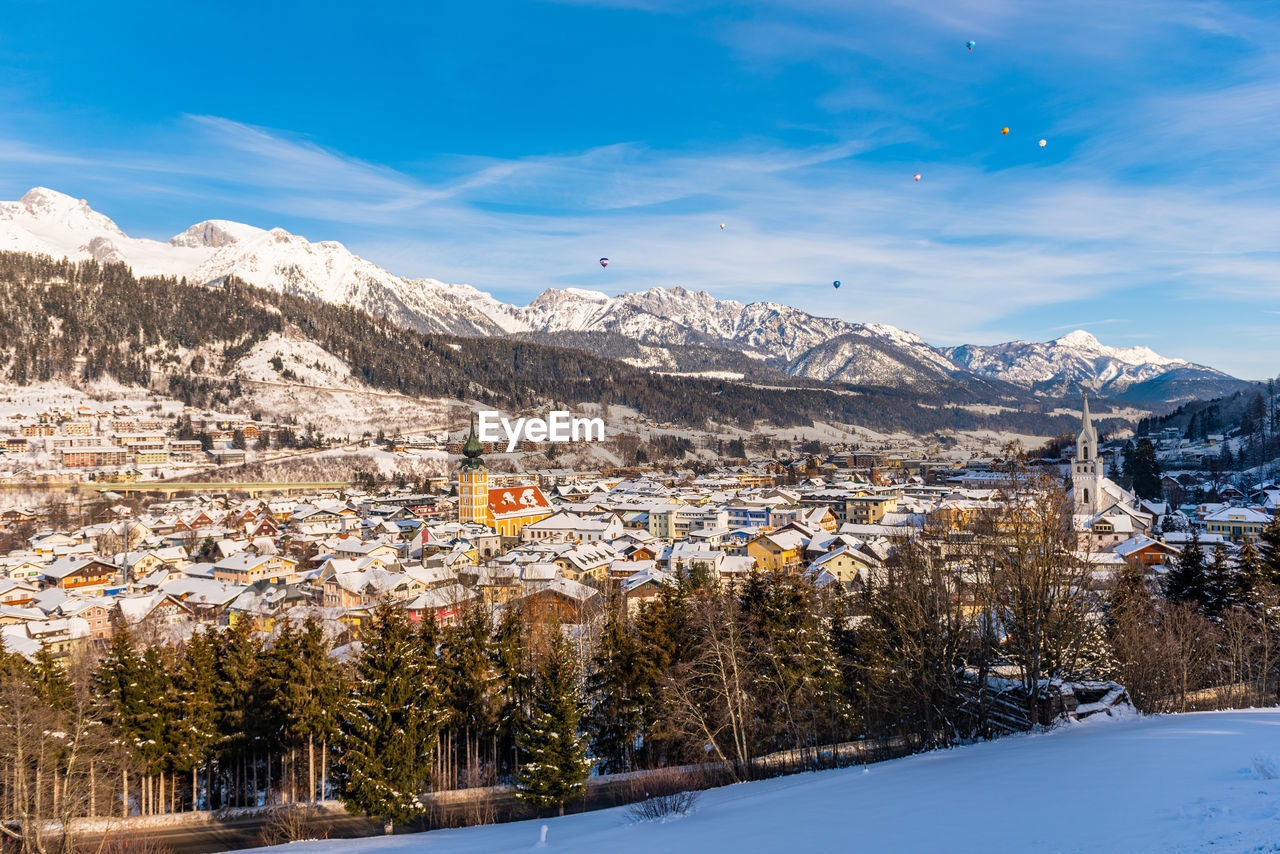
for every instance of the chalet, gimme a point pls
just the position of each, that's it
(1146, 551)
(14, 592)
(81, 573)
(561, 599)
(159, 607)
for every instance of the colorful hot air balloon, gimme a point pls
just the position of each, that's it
(604, 262)
(836, 284)
(1043, 143)
(916, 176)
(970, 45)
(722, 225)
(1004, 131)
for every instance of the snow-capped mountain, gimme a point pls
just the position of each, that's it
(779, 336)
(47, 222)
(1078, 362)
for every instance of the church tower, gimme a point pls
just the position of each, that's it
(1086, 473)
(473, 482)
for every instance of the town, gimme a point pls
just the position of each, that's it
(556, 538)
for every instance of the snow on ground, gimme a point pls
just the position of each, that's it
(309, 363)
(30, 400)
(1176, 783)
(346, 412)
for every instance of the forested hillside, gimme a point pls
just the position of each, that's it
(85, 321)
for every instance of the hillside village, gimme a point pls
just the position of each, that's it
(554, 541)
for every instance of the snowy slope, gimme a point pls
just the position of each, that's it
(1182, 783)
(1073, 363)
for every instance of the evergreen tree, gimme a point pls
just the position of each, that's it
(556, 763)
(241, 705)
(1186, 581)
(619, 689)
(389, 724)
(508, 657)
(1146, 472)
(196, 728)
(1269, 552)
(1220, 584)
(1127, 464)
(1250, 575)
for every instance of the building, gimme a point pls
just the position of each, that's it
(1237, 524)
(505, 510)
(473, 482)
(1104, 513)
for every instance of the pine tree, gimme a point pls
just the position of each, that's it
(1126, 469)
(241, 705)
(197, 733)
(1186, 581)
(508, 656)
(1269, 552)
(556, 763)
(1250, 575)
(1219, 585)
(304, 683)
(1146, 472)
(390, 723)
(619, 689)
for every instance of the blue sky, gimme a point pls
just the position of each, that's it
(510, 145)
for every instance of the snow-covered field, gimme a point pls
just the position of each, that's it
(1179, 783)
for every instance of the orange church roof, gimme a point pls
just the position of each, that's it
(517, 501)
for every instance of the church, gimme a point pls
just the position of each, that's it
(1104, 512)
(504, 509)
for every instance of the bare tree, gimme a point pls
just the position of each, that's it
(1044, 589)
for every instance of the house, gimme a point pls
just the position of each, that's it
(846, 565)
(643, 586)
(75, 572)
(1145, 551)
(571, 527)
(781, 551)
(1238, 524)
(15, 592)
(560, 599)
(442, 604)
(246, 568)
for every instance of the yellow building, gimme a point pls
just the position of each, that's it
(781, 551)
(473, 483)
(506, 509)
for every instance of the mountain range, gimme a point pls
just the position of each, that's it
(663, 329)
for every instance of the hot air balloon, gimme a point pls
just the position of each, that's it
(604, 262)
(1004, 131)
(916, 176)
(722, 225)
(1043, 143)
(970, 45)
(836, 284)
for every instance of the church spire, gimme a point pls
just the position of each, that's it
(472, 449)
